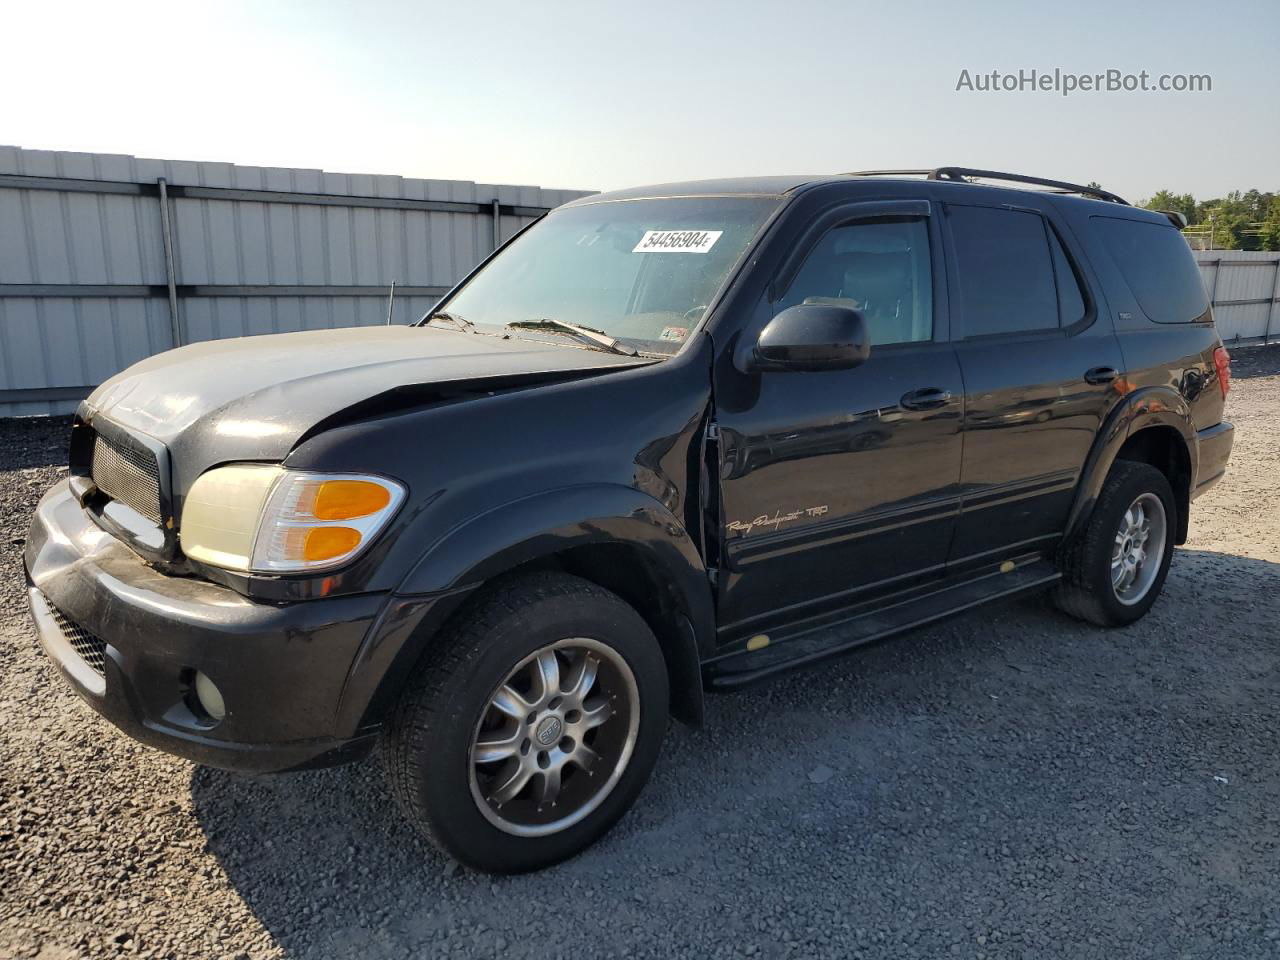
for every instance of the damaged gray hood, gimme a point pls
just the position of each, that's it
(254, 397)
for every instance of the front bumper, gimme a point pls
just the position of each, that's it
(128, 639)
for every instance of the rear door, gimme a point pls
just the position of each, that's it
(1041, 368)
(841, 484)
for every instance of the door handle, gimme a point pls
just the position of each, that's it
(926, 398)
(1099, 375)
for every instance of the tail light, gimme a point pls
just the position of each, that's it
(1222, 360)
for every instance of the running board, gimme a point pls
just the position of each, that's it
(832, 639)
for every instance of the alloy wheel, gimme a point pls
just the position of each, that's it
(555, 737)
(1139, 548)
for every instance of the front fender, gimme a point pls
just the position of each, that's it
(515, 533)
(1143, 408)
(556, 520)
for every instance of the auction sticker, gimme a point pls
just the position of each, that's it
(677, 241)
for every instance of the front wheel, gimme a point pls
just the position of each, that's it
(1113, 570)
(532, 726)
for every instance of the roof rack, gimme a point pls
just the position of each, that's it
(963, 175)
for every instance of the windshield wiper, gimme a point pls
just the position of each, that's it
(463, 324)
(595, 336)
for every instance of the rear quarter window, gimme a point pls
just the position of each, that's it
(1157, 264)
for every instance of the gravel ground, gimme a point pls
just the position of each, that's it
(1009, 784)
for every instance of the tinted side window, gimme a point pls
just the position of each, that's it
(1158, 266)
(1070, 299)
(1005, 271)
(882, 268)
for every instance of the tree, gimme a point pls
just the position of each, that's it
(1248, 220)
(1227, 221)
(1183, 203)
(1270, 237)
(1259, 204)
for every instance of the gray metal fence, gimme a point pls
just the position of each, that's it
(1244, 287)
(106, 259)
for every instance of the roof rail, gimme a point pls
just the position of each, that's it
(962, 175)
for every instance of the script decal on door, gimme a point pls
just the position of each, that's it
(766, 522)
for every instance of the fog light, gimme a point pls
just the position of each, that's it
(209, 697)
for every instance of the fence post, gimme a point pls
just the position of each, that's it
(497, 223)
(1271, 308)
(166, 232)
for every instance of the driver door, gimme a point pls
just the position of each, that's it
(838, 486)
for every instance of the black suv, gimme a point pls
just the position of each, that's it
(666, 440)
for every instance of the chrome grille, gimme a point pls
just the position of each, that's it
(92, 650)
(130, 476)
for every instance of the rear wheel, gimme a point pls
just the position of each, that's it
(533, 725)
(1114, 569)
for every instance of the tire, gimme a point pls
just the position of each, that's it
(455, 752)
(1088, 590)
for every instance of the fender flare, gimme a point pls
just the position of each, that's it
(1142, 409)
(520, 531)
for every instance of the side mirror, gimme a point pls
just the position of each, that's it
(813, 336)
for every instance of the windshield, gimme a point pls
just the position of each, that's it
(641, 271)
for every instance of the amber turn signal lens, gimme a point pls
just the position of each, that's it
(325, 543)
(348, 499)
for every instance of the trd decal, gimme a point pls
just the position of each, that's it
(778, 519)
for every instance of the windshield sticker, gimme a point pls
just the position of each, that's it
(673, 333)
(677, 241)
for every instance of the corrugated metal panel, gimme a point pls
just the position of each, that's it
(1243, 285)
(73, 236)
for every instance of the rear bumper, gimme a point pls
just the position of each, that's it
(128, 639)
(1214, 452)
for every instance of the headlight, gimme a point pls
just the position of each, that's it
(267, 519)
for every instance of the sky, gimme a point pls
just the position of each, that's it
(599, 95)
